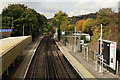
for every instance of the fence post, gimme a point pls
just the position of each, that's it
(94, 55)
(78, 43)
(84, 51)
(100, 65)
(96, 62)
(87, 53)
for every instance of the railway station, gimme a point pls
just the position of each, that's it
(38, 43)
(49, 58)
(11, 48)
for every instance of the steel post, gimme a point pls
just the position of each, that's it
(102, 66)
(96, 62)
(78, 43)
(117, 69)
(7, 72)
(87, 53)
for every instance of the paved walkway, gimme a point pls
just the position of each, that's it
(84, 68)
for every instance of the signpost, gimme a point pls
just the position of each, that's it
(5, 30)
(109, 53)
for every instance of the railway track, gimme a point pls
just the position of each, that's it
(49, 63)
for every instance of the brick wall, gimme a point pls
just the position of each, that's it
(5, 34)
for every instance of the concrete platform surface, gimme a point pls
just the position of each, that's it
(85, 69)
(10, 48)
(7, 43)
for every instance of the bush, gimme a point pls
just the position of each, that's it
(83, 38)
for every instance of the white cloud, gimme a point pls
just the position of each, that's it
(92, 6)
(51, 8)
(2, 6)
(39, 0)
(95, 5)
(48, 15)
(80, 12)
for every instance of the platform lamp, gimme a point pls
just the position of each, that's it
(23, 30)
(101, 56)
(12, 22)
(75, 41)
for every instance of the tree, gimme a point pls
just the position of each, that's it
(11, 13)
(20, 15)
(108, 19)
(87, 25)
(79, 25)
(58, 21)
(66, 25)
(113, 25)
(103, 16)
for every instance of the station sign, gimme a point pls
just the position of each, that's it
(5, 30)
(108, 52)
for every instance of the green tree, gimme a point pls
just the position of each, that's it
(58, 19)
(103, 17)
(20, 15)
(66, 25)
(87, 26)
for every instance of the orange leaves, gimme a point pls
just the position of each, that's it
(79, 25)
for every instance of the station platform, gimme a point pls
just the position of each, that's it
(10, 48)
(85, 69)
(10, 42)
(28, 53)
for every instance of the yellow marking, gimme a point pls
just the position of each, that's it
(78, 62)
(22, 63)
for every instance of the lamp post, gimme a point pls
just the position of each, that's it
(23, 30)
(101, 56)
(12, 22)
(75, 41)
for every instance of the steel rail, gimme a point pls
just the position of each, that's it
(46, 64)
(36, 65)
(53, 65)
(62, 62)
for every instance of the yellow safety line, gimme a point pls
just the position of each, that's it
(78, 62)
(21, 63)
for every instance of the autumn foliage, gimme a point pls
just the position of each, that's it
(79, 25)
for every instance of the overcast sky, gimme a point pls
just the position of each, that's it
(71, 7)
